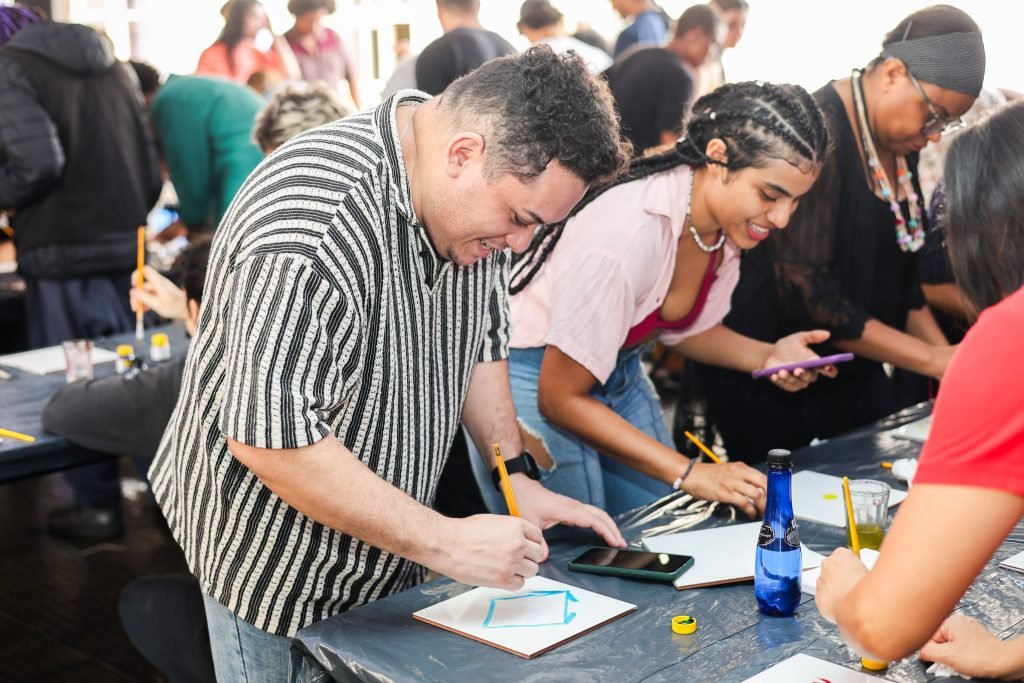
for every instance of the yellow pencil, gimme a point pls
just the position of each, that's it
(707, 451)
(870, 664)
(854, 537)
(141, 265)
(16, 435)
(506, 485)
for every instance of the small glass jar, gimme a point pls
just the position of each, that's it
(125, 362)
(159, 348)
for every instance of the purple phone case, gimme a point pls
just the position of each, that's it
(813, 363)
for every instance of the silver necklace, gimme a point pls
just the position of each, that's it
(693, 229)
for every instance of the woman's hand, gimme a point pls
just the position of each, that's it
(793, 349)
(965, 645)
(840, 572)
(732, 482)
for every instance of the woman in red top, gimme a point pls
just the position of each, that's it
(247, 46)
(969, 490)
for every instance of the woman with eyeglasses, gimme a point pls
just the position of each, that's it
(847, 263)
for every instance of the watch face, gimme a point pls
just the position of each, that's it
(532, 471)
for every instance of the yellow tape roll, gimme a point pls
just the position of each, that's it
(684, 624)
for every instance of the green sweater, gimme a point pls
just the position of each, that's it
(205, 131)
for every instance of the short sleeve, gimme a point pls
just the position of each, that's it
(592, 310)
(806, 269)
(289, 341)
(977, 433)
(495, 346)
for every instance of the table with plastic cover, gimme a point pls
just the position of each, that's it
(382, 642)
(23, 398)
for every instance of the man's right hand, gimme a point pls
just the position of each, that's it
(496, 551)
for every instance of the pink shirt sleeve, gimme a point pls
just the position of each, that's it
(592, 308)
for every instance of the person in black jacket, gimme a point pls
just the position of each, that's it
(464, 46)
(124, 416)
(78, 175)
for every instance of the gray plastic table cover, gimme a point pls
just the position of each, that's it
(382, 642)
(23, 398)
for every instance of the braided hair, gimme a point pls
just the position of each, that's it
(758, 122)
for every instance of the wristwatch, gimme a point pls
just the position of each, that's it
(524, 463)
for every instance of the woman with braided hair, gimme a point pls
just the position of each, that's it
(848, 262)
(655, 255)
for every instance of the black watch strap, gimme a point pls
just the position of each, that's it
(523, 462)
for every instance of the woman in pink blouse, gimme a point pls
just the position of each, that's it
(247, 46)
(655, 255)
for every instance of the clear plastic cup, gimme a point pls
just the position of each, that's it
(870, 500)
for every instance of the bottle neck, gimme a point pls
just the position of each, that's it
(779, 486)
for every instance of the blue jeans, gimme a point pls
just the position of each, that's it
(579, 471)
(243, 653)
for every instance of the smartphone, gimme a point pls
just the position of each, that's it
(812, 363)
(640, 564)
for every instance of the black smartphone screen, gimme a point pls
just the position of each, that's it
(642, 560)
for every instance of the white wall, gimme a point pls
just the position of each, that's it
(801, 41)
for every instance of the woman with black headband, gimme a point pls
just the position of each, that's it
(847, 263)
(655, 255)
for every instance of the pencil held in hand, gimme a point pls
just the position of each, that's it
(707, 451)
(506, 483)
(139, 312)
(854, 536)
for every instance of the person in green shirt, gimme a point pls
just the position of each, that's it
(204, 127)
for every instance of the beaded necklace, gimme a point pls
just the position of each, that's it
(909, 233)
(693, 228)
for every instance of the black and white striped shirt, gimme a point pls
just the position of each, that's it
(327, 311)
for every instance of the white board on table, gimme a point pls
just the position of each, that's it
(50, 359)
(528, 622)
(818, 498)
(723, 554)
(809, 579)
(915, 431)
(1015, 562)
(800, 668)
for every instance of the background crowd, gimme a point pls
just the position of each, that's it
(580, 209)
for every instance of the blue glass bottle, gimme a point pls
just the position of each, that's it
(777, 563)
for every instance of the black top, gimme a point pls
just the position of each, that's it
(837, 264)
(455, 54)
(651, 90)
(77, 160)
(125, 416)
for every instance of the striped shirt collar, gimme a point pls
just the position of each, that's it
(431, 261)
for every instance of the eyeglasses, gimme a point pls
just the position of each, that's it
(936, 123)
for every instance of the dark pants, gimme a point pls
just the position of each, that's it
(82, 307)
(754, 416)
(77, 308)
(165, 619)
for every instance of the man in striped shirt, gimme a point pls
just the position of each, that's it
(356, 310)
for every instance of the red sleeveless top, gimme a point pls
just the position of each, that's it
(654, 321)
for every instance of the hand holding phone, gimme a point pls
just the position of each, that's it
(805, 364)
(640, 564)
